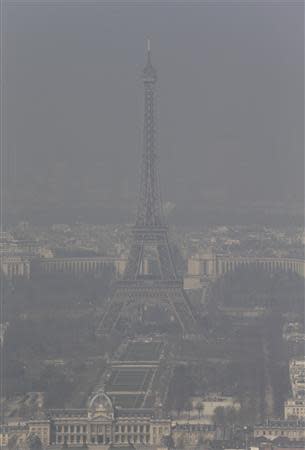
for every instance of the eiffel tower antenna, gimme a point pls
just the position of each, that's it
(140, 291)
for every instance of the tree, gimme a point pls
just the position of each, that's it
(34, 442)
(12, 442)
(231, 415)
(167, 441)
(188, 407)
(181, 389)
(226, 416)
(181, 441)
(200, 408)
(219, 416)
(200, 442)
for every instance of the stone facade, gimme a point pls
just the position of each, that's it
(291, 429)
(210, 266)
(100, 424)
(294, 408)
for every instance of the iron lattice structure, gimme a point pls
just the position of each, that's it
(136, 292)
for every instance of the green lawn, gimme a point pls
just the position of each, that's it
(130, 379)
(143, 351)
(128, 401)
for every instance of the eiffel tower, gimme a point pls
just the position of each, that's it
(141, 295)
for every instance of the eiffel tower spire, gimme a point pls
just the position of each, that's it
(140, 292)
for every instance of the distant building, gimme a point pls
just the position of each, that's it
(203, 409)
(212, 402)
(272, 429)
(15, 432)
(294, 408)
(15, 267)
(207, 266)
(42, 429)
(16, 256)
(81, 265)
(9, 246)
(100, 424)
(297, 377)
(4, 437)
(294, 332)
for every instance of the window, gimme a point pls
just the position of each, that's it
(72, 428)
(135, 428)
(84, 428)
(122, 428)
(129, 428)
(116, 428)
(59, 439)
(66, 429)
(147, 428)
(78, 429)
(59, 428)
(141, 428)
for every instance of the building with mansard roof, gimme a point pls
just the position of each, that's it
(101, 424)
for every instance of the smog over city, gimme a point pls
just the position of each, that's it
(152, 225)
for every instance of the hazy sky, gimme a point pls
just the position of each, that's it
(230, 101)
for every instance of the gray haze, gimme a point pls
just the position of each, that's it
(230, 107)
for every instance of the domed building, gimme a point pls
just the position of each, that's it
(100, 406)
(100, 425)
